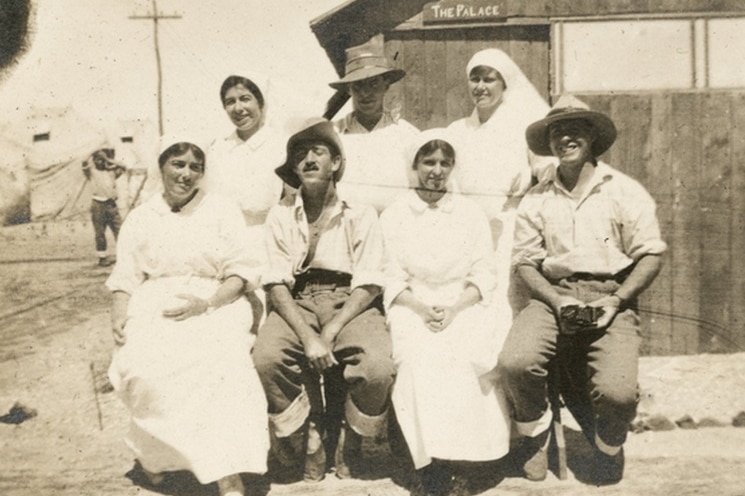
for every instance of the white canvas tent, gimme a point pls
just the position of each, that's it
(60, 140)
(41, 165)
(14, 198)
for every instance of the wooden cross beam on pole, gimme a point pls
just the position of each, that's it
(155, 17)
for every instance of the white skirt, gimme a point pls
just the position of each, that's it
(446, 395)
(191, 387)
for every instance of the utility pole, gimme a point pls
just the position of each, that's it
(155, 17)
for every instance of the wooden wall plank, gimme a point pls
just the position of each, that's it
(414, 101)
(686, 235)
(435, 80)
(529, 49)
(481, 38)
(632, 115)
(715, 175)
(458, 53)
(737, 222)
(635, 154)
(658, 298)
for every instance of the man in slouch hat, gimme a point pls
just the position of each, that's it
(375, 137)
(587, 243)
(325, 325)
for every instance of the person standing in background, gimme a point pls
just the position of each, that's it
(496, 166)
(242, 165)
(375, 139)
(243, 162)
(102, 171)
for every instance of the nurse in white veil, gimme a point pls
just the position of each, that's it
(496, 166)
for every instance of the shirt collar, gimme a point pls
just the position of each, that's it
(299, 207)
(445, 204)
(350, 125)
(602, 174)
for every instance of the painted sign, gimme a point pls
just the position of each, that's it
(447, 11)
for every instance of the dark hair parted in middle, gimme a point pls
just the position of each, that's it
(233, 81)
(431, 147)
(178, 149)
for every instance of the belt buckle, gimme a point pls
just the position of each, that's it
(317, 287)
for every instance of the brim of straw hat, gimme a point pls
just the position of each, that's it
(537, 134)
(392, 75)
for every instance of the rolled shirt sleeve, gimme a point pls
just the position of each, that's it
(529, 247)
(280, 268)
(640, 230)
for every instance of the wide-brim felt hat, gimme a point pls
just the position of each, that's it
(567, 108)
(366, 61)
(317, 129)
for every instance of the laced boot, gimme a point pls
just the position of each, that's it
(608, 468)
(347, 452)
(315, 455)
(532, 456)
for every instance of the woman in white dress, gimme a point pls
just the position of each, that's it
(242, 164)
(495, 162)
(182, 365)
(439, 280)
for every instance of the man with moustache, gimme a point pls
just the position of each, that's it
(323, 283)
(587, 243)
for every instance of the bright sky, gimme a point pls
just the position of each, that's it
(89, 54)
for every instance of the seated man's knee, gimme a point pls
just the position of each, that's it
(267, 359)
(621, 400)
(375, 371)
(266, 365)
(517, 365)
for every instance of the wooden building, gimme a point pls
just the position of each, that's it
(670, 73)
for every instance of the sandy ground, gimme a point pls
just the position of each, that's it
(56, 345)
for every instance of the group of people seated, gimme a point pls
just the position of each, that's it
(281, 300)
